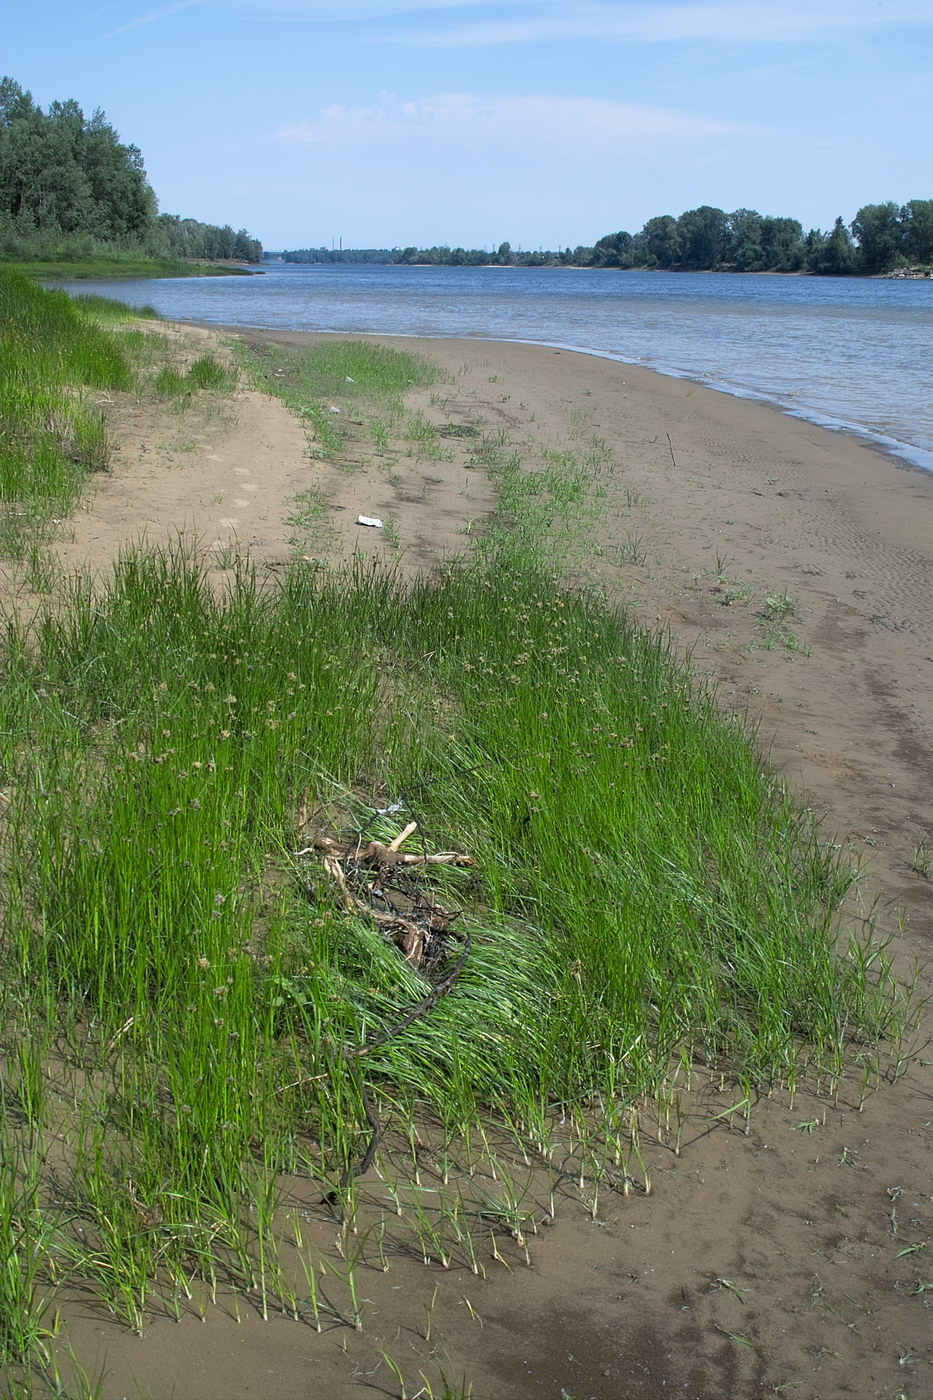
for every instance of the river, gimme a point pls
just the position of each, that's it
(849, 353)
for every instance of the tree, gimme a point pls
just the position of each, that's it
(877, 228)
(704, 236)
(62, 176)
(613, 250)
(916, 219)
(782, 244)
(746, 241)
(832, 253)
(663, 237)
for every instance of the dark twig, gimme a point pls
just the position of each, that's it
(416, 1012)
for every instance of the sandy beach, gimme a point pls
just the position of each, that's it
(795, 565)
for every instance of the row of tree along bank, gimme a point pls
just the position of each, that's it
(71, 190)
(881, 238)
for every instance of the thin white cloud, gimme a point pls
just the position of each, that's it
(726, 21)
(583, 126)
(154, 15)
(107, 9)
(738, 21)
(354, 10)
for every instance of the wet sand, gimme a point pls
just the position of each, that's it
(772, 1261)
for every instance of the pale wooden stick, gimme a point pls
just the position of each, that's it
(334, 869)
(402, 836)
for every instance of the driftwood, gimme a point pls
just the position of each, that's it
(381, 857)
(375, 880)
(412, 921)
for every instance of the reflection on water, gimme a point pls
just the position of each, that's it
(847, 352)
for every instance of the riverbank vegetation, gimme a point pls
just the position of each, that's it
(880, 238)
(194, 1006)
(75, 201)
(60, 362)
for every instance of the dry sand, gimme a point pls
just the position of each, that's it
(766, 1263)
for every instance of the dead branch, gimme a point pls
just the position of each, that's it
(421, 929)
(403, 836)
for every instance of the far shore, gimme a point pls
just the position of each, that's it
(897, 274)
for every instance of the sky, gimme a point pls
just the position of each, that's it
(547, 123)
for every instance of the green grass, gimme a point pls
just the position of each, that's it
(60, 359)
(108, 311)
(205, 373)
(58, 269)
(177, 987)
(325, 384)
(52, 354)
(643, 895)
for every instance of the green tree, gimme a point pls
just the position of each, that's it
(746, 241)
(834, 253)
(782, 244)
(664, 241)
(916, 219)
(877, 228)
(704, 236)
(613, 250)
(125, 206)
(63, 177)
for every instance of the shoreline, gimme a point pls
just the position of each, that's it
(900, 453)
(903, 454)
(790, 508)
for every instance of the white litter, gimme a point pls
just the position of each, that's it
(334, 408)
(349, 380)
(370, 520)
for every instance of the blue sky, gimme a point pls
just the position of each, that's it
(389, 122)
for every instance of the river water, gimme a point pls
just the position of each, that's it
(849, 353)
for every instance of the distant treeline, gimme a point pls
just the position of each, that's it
(187, 238)
(68, 184)
(379, 256)
(880, 238)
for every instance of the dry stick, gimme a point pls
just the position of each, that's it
(402, 836)
(377, 853)
(122, 1031)
(671, 446)
(374, 852)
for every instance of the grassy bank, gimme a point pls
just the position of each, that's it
(61, 363)
(56, 269)
(52, 357)
(191, 1007)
